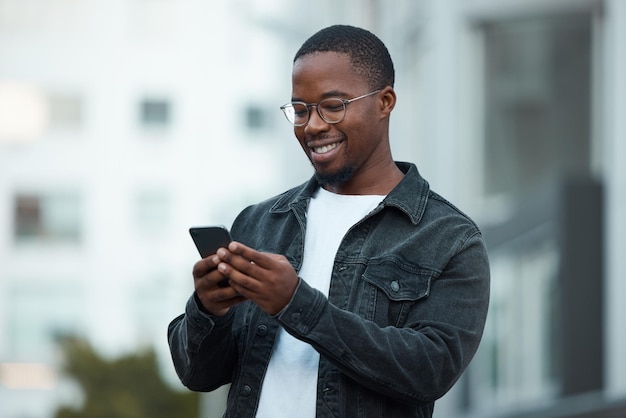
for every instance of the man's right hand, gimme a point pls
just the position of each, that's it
(216, 299)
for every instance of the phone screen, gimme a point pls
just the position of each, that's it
(209, 238)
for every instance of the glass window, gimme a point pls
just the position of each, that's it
(155, 113)
(47, 218)
(66, 111)
(537, 134)
(538, 104)
(518, 355)
(255, 117)
(38, 313)
(23, 111)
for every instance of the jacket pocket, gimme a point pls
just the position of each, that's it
(391, 288)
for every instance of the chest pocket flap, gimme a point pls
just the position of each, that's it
(399, 282)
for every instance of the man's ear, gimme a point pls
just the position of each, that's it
(387, 100)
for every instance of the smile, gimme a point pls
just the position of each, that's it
(326, 148)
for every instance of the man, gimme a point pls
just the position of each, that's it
(361, 293)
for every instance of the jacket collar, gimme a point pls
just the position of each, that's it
(410, 195)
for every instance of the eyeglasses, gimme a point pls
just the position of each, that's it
(331, 110)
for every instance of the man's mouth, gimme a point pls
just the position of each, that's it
(325, 148)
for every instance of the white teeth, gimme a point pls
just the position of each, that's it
(325, 148)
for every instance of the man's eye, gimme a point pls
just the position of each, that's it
(333, 106)
(297, 109)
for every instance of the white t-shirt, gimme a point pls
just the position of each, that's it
(290, 384)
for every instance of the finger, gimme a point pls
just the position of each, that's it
(219, 301)
(224, 295)
(242, 282)
(247, 288)
(209, 281)
(216, 284)
(236, 261)
(204, 266)
(251, 255)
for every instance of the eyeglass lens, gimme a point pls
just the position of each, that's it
(331, 110)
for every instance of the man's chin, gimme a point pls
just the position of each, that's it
(335, 178)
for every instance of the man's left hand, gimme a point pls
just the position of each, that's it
(267, 279)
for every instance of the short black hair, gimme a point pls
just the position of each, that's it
(368, 54)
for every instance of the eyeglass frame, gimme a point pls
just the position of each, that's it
(308, 107)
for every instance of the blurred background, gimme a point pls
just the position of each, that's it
(125, 122)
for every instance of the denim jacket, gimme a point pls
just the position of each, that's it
(403, 318)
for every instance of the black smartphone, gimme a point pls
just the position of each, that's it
(209, 238)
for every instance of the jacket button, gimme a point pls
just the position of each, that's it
(395, 286)
(246, 390)
(295, 318)
(261, 330)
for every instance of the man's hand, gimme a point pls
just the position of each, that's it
(216, 299)
(266, 279)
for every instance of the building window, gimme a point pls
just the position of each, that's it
(155, 113)
(23, 111)
(255, 117)
(538, 102)
(537, 141)
(47, 218)
(40, 312)
(66, 111)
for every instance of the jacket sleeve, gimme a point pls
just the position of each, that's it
(202, 347)
(418, 362)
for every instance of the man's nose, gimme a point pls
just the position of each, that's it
(315, 123)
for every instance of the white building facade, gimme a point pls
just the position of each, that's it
(125, 122)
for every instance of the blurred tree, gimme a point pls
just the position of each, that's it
(126, 387)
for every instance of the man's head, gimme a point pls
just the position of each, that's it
(369, 56)
(342, 97)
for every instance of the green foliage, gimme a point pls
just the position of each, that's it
(126, 387)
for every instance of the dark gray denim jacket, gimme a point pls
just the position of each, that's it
(404, 316)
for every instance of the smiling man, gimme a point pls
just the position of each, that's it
(361, 293)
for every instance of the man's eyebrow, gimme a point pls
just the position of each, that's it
(333, 93)
(328, 94)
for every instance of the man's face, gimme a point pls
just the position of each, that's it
(341, 152)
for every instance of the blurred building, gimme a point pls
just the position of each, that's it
(512, 109)
(124, 122)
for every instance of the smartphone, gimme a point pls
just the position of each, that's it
(209, 238)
